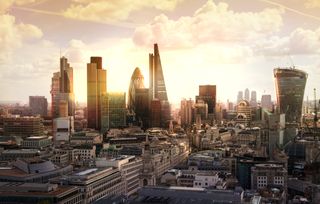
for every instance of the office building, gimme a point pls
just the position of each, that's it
(253, 100)
(201, 109)
(266, 102)
(63, 128)
(117, 109)
(62, 89)
(155, 113)
(104, 113)
(38, 105)
(290, 84)
(247, 94)
(240, 96)
(136, 82)
(30, 193)
(142, 107)
(207, 93)
(95, 183)
(243, 113)
(157, 87)
(186, 112)
(23, 126)
(96, 87)
(129, 166)
(263, 175)
(36, 142)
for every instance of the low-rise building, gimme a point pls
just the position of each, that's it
(29, 193)
(22, 126)
(36, 142)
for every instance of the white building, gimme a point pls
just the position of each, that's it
(205, 180)
(63, 128)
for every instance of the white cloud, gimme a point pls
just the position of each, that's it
(298, 42)
(113, 10)
(211, 23)
(6, 4)
(312, 4)
(13, 35)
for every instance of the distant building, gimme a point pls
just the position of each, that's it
(243, 112)
(290, 85)
(23, 126)
(240, 96)
(201, 109)
(96, 87)
(208, 94)
(186, 112)
(266, 102)
(38, 105)
(247, 94)
(253, 100)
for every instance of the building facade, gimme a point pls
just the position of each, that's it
(38, 105)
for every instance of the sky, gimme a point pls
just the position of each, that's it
(229, 43)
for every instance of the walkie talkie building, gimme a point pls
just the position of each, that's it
(290, 84)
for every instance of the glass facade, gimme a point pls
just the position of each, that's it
(290, 85)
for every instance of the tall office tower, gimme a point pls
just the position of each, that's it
(117, 109)
(208, 94)
(246, 94)
(55, 90)
(136, 82)
(253, 100)
(142, 107)
(230, 106)
(62, 88)
(155, 113)
(96, 87)
(104, 113)
(266, 102)
(290, 84)
(186, 107)
(38, 105)
(157, 87)
(240, 96)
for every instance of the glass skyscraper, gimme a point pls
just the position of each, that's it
(290, 84)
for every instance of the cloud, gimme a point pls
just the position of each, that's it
(113, 10)
(6, 4)
(13, 35)
(298, 42)
(312, 4)
(211, 23)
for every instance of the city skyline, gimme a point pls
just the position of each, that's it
(231, 57)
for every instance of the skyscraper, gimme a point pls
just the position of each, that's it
(266, 102)
(38, 105)
(253, 100)
(290, 84)
(142, 107)
(186, 108)
(240, 96)
(207, 93)
(246, 94)
(157, 87)
(62, 88)
(96, 87)
(136, 82)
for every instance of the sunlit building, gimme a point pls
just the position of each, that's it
(23, 126)
(62, 89)
(247, 94)
(266, 102)
(239, 96)
(243, 112)
(157, 86)
(186, 108)
(136, 82)
(290, 84)
(96, 87)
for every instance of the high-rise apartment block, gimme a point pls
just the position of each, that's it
(96, 87)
